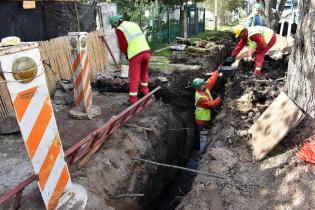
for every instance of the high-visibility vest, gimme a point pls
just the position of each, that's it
(201, 113)
(267, 34)
(135, 38)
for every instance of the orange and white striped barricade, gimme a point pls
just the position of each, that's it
(23, 71)
(79, 62)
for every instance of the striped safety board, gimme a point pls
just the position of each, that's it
(80, 70)
(38, 126)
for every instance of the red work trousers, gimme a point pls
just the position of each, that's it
(138, 72)
(260, 55)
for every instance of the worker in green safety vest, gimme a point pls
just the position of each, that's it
(204, 103)
(259, 39)
(133, 44)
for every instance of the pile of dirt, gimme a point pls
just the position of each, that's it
(280, 181)
(207, 50)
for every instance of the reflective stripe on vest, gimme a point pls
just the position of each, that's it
(201, 113)
(135, 38)
(267, 34)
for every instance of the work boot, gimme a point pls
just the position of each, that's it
(258, 73)
(131, 100)
(144, 90)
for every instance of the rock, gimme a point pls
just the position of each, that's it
(59, 97)
(9, 124)
(242, 133)
(63, 98)
(228, 132)
(93, 112)
(162, 79)
(227, 157)
(65, 85)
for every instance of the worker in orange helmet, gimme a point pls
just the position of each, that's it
(259, 39)
(204, 103)
(133, 43)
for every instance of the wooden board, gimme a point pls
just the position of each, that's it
(273, 125)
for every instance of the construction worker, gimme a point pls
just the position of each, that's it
(133, 44)
(204, 103)
(255, 19)
(259, 39)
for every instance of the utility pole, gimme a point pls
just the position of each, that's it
(215, 15)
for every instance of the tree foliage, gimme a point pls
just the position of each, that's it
(225, 8)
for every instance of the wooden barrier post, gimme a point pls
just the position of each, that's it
(79, 62)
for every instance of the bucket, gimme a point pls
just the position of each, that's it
(203, 140)
(124, 71)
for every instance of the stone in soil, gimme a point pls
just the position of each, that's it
(9, 124)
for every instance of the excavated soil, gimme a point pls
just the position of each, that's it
(164, 132)
(280, 181)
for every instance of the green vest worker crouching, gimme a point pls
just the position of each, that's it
(133, 44)
(204, 103)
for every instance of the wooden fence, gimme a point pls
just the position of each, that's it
(55, 53)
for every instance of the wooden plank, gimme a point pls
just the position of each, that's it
(273, 125)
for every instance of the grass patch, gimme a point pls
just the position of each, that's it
(160, 67)
(166, 52)
(159, 59)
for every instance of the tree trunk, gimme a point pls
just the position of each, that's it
(272, 19)
(269, 4)
(184, 21)
(196, 17)
(301, 71)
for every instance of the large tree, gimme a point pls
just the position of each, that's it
(273, 18)
(225, 8)
(301, 72)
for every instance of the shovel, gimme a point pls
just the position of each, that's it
(225, 69)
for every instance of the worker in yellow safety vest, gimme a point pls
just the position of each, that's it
(133, 44)
(259, 39)
(204, 103)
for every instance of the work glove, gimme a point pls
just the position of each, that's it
(230, 59)
(218, 100)
(215, 74)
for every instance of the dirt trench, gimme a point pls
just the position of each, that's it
(162, 132)
(280, 181)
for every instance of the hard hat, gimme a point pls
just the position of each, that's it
(237, 30)
(259, 6)
(197, 83)
(113, 20)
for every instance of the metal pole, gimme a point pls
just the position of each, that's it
(168, 24)
(204, 19)
(215, 15)
(178, 167)
(77, 16)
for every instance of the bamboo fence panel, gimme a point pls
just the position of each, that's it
(56, 61)
(5, 101)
